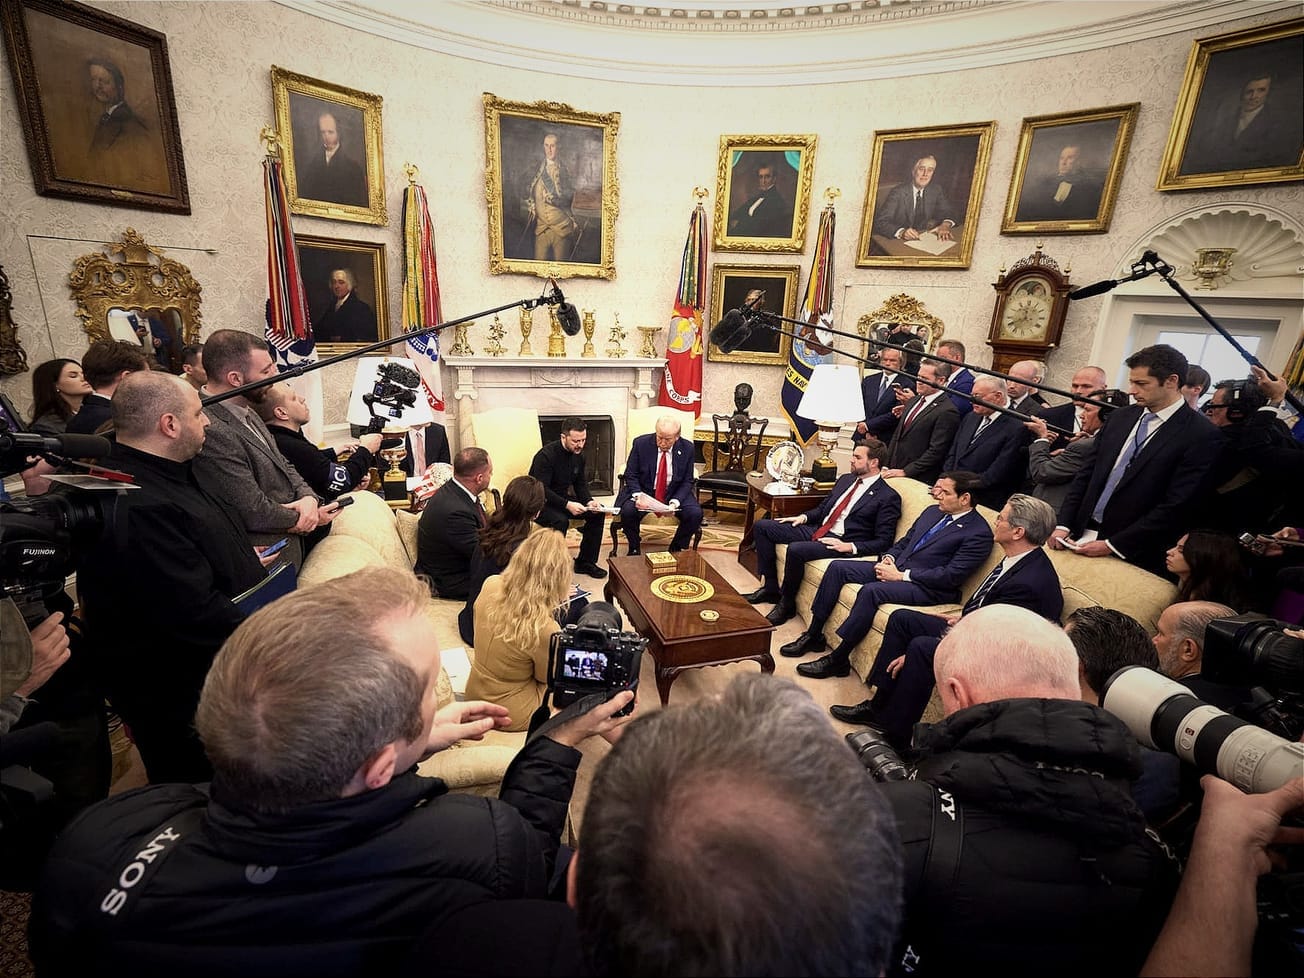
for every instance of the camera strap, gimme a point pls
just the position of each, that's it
(937, 878)
(540, 716)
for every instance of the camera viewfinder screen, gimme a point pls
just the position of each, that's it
(583, 664)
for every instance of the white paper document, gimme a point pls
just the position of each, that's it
(929, 242)
(458, 666)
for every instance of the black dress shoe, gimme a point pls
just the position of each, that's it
(763, 596)
(805, 642)
(825, 667)
(633, 552)
(781, 612)
(863, 712)
(589, 569)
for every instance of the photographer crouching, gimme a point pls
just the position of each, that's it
(1023, 847)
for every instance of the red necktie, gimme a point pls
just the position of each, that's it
(662, 470)
(910, 415)
(836, 515)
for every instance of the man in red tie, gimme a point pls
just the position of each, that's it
(858, 517)
(659, 478)
(919, 445)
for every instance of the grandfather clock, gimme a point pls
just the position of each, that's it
(1031, 303)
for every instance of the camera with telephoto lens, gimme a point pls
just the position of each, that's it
(1253, 650)
(594, 656)
(879, 757)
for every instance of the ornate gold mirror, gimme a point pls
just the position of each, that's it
(134, 294)
(900, 311)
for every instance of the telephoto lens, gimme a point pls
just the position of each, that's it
(879, 757)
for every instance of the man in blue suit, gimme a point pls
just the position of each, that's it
(903, 671)
(858, 517)
(928, 565)
(991, 444)
(660, 471)
(879, 394)
(959, 380)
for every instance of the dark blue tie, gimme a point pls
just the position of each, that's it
(940, 524)
(979, 595)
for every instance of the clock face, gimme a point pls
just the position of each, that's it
(1027, 310)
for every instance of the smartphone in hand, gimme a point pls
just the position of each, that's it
(275, 548)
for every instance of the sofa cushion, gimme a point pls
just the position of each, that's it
(370, 518)
(407, 524)
(337, 556)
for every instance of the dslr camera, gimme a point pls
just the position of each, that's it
(594, 656)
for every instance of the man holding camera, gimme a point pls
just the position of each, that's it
(1023, 845)
(318, 849)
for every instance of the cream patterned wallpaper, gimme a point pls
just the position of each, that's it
(221, 55)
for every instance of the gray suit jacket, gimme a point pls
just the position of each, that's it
(1053, 473)
(252, 476)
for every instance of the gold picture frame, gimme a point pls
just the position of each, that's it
(94, 95)
(730, 286)
(762, 192)
(351, 186)
(319, 258)
(898, 310)
(1210, 144)
(542, 217)
(1067, 171)
(960, 155)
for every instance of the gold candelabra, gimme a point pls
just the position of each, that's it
(496, 333)
(614, 349)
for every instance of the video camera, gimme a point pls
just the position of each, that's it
(594, 656)
(396, 389)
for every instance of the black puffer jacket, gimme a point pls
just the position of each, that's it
(1056, 870)
(169, 881)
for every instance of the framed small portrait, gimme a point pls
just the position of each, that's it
(1067, 171)
(552, 190)
(762, 192)
(733, 285)
(925, 187)
(94, 93)
(1240, 117)
(333, 161)
(345, 285)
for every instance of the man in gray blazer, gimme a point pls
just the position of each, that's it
(240, 462)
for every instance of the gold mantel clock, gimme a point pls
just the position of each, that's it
(1031, 303)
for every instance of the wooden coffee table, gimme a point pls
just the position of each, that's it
(678, 638)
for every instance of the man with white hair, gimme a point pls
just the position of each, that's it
(659, 479)
(1018, 825)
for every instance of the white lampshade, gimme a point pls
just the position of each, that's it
(833, 394)
(364, 382)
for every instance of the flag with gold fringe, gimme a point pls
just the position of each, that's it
(681, 381)
(811, 347)
(289, 326)
(421, 294)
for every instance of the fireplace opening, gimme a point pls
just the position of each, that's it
(599, 448)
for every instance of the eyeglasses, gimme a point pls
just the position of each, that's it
(1001, 518)
(1210, 408)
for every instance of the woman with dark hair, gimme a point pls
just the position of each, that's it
(503, 532)
(58, 389)
(1209, 567)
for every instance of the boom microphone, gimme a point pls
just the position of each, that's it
(1139, 271)
(567, 314)
(79, 446)
(730, 332)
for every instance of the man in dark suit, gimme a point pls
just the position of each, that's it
(560, 467)
(992, 444)
(928, 565)
(1025, 398)
(1259, 129)
(659, 474)
(1152, 462)
(104, 365)
(1067, 416)
(241, 464)
(917, 207)
(903, 670)
(450, 524)
(879, 394)
(858, 517)
(433, 439)
(329, 173)
(928, 422)
(1071, 193)
(346, 318)
(766, 213)
(958, 381)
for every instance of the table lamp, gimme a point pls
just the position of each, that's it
(832, 398)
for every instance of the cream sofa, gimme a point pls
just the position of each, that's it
(1103, 581)
(370, 534)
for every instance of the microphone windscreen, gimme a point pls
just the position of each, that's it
(731, 332)
(79, 446)
(1087, 291)
(569, 317)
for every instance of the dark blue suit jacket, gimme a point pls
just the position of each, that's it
(999, 456)
(879, 402)
(870, 523)
(963, 382)
(641, 470)
(946, 560)
(1031, 583)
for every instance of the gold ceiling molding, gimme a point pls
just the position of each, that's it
(758, 17)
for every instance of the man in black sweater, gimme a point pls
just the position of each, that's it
(285, 412)
(560, 467)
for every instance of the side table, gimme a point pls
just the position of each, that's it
(776, 505)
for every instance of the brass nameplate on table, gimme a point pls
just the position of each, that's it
(661, 561)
